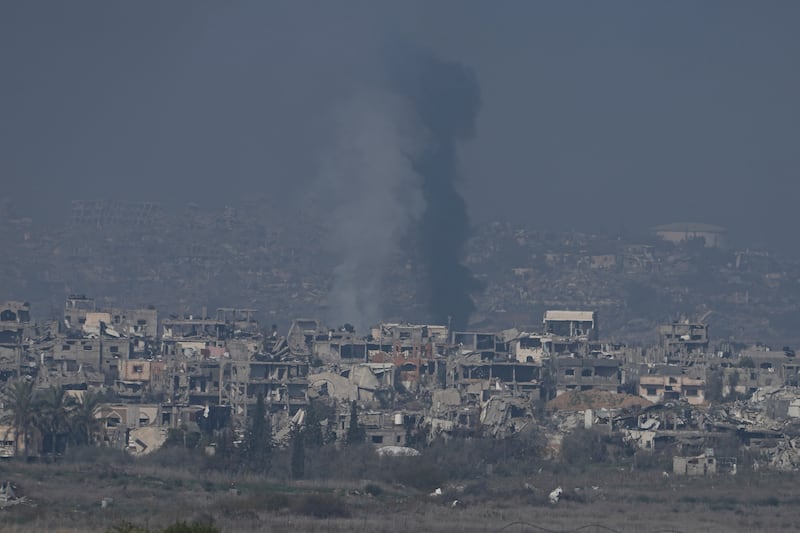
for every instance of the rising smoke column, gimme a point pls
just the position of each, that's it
(446, 99)
(391, 171)
(373, 197)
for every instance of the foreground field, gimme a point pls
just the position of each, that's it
(67, 497)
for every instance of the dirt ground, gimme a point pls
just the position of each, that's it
(67, 497)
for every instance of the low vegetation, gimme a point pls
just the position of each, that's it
(480, 483)
(483, 484)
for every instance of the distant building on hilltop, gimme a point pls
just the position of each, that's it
(714, 236)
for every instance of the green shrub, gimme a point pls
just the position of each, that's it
(320, 506)
(772, 501)
(373, 490)
(194, 527)
(127, 527)
(96, 454)
(274, 501)
(583, 447)
(182, 438)
(172, 457)
(177, 527)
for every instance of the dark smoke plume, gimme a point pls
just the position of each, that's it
(390, 172)
(446, 97)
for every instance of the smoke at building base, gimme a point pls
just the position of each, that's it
(375, 199)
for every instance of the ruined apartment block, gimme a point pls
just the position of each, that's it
(664, 383)
(75, 310)
(760, 367)
(682, 339)
(701, 465)
(531, 348)
(586, 373)
(15, 318)
(199, 371)
(572, 324)
(284, 385)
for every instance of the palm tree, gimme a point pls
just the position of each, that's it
(85, 423)
(19, 402)
(55, 407)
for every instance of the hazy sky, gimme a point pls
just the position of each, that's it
(593, 113)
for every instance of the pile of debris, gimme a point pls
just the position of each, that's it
(784, 457)
(595, 399)
(9, 495)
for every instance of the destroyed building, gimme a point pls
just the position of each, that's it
(664, 383)
(531, 347)
(15, 317)
(195, 370)
(711, 236)
(586, 373)
(480, 378)
(683, 338)
(572, 324)
(760, 367)
(701, 465)
(284, 385)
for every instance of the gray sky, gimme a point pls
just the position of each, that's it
(594, 114)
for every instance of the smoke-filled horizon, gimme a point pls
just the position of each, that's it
(372, 198)
(593, 115)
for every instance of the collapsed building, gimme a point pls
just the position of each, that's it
(408, 381)
(226, 361)
(701, 465)
(572, 324)
(664, 383)
(759, 367)
(15, 318)
(683, 338)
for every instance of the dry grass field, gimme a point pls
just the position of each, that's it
(67, 497)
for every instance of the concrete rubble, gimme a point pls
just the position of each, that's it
(9, 495)
(410, 383)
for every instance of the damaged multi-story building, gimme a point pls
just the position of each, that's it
(571, 324)
(15, 318)
(683, 339)
(664, 383)
(759, 367)
(408, 381)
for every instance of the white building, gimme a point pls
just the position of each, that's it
(572, 324)
(714, 236)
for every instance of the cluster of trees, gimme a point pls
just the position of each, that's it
(317, 432)
(48, 420)
(255, 453)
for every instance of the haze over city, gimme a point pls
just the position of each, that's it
(593, 115)
(399, 266)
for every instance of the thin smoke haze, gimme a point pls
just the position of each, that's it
(375, 198)
(391, 172)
